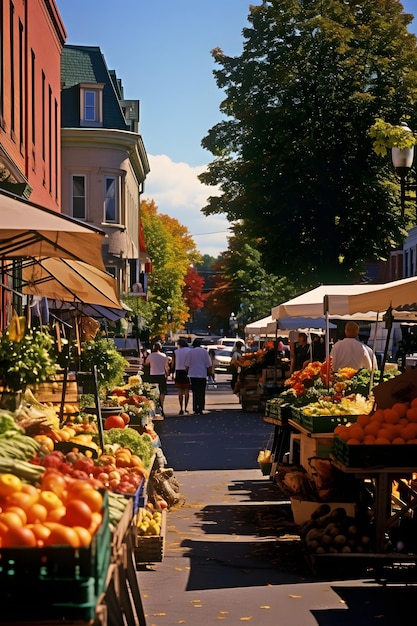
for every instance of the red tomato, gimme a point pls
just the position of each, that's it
(114, 421)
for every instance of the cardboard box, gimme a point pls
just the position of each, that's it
(402, 388)
(302, 510)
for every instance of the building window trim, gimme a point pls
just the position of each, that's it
(111, 200)
(79, 196)
(91, 104)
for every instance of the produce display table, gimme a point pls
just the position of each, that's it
(382, 478)
(282, 441)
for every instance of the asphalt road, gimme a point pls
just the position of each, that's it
(232, 552)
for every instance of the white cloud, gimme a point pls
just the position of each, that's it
(177, 192)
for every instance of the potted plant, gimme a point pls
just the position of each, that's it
(110, 364)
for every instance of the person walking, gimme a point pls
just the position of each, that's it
(159, 371)
(198, 366)
(181, 379)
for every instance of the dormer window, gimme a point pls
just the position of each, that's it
(91, 104)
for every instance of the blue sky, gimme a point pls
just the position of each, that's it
(160, 49)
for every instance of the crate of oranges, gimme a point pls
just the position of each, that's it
(386, 437)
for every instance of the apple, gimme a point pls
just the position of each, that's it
(114, 475)
(114, 484)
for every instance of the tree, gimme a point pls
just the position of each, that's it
(172, 250)
(193, 291)
(294, 158)
(244, 286)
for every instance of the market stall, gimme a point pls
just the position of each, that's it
(373, 447)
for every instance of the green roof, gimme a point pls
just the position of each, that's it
(86, 64)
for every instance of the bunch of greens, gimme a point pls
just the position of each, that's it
(27, 362)
(141, 445)
(111, 365)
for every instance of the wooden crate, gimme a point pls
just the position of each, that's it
(151, 549)
(51, 391)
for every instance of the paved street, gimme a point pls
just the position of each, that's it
(231, 551)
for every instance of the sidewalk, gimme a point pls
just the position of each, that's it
(232, 552)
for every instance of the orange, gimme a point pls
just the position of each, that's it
(371, 429)
(16, 509)
(93, 498)
(61, 535)
(20, 536)
(391, 416)
(385, 433)
(28, 488)
(22, 499)
(353, 442)
(343, 432)
(398, 441)
(40, 531)
(401, 408)
(83, 535)
(378, 415)
(76, 486)
(52, 481)
(78, 514)
(382, 441)
(36, 513)
(56, 515)
(356, 432)
(369, 440)
(412, 414)
(96, 523)
(50, 500)
(9, 483)
(10, 519)
(413, 403)
(363, 420)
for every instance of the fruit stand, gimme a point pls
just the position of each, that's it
(83, 495)
(357, 456)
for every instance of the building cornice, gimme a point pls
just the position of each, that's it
(111, 139)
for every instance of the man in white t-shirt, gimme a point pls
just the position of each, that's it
(350, 352)
(198, 366)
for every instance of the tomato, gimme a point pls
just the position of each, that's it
(9, 483)
(114, 421)
(17, 536)
(55, 482)
(78, 514)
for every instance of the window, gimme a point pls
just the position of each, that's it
(91, 104)
(78, 197)
(111, 213)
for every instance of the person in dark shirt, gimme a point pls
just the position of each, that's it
(301, 353)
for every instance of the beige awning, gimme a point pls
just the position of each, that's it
(69, 281)
(29, 230)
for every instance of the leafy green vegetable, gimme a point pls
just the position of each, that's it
(8, 422)
(129, 438)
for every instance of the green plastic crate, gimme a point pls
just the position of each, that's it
(321, 423)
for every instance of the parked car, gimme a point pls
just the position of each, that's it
(221, 361)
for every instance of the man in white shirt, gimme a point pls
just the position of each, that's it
(198, 366)
(350, 352)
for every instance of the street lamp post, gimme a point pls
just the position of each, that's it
(403, 162)
(169, 320)
(233, 323)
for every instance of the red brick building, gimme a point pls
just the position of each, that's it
(32, 36)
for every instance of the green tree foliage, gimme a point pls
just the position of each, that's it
(293, 157)
(172, 250)
(244, 286)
